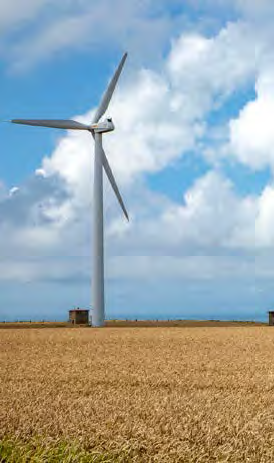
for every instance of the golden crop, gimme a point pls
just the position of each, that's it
(141, 394)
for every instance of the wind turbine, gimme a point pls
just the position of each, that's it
(97, 129)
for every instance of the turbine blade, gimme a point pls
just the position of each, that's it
(109, 91)
(57, 124)
(113, 183)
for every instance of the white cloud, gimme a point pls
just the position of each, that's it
(256, 9)
(33, 31)
(264, 223)
(216, 66)
(252, 133)
(55, 26)
(15, 12)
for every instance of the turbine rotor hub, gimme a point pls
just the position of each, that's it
(103, 127)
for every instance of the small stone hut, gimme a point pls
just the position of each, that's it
(271, 318)
(79, 316)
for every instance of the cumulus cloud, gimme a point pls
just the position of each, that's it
(214, 67)
(251, 134)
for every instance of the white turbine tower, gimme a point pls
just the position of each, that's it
(97, 129)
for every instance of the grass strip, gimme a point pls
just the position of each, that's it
(39, 451)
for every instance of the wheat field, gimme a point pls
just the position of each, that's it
(137, 395)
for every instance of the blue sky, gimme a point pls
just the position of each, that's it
(192, 153)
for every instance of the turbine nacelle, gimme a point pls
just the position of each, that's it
(103, 127)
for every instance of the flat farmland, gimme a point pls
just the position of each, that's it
(164, 394)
